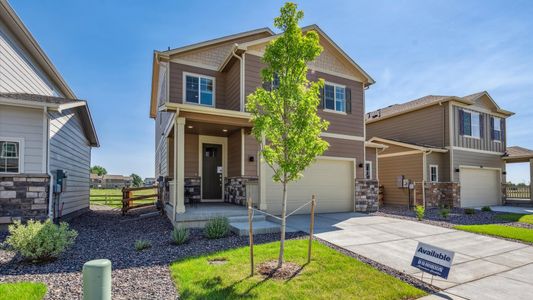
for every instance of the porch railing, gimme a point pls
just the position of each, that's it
(518, 192)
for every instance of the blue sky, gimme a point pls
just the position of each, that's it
(411, 48)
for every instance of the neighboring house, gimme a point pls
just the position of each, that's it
(46, 134)
(203, 139)
(455, 145)
(149, 181)
(96, 181)
(110, 181)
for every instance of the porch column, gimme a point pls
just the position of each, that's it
(179, 172)
(531, 179)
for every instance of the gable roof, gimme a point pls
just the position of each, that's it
(515, 154)
(415, 146)
(429, 100)
(17, 27)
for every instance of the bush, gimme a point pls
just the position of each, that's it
(444, 213)
(179, 235)
(140, 245)
(420, 211)
(40, 241)
(469, 211)
(486, 208)
(216, 228)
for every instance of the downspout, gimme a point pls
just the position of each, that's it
(46, 136)
(241, 65)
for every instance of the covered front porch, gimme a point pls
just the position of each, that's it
(212, 164)
(519, 194)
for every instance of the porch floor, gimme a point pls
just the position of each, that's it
(206, 211)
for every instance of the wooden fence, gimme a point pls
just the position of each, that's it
(518, 192)
(129, 199)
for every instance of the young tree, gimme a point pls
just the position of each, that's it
(99, 170)
(285, 116)
(136, 180)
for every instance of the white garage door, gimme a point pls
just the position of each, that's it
(332, 181)
(479, 187)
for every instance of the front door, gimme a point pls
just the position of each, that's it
(212, 171)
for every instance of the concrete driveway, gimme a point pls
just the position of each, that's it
(483, 267)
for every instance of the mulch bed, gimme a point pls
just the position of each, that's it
(136, 275)
(287, 271)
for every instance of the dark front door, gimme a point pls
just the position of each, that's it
(211, 171)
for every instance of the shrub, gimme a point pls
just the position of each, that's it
(469, 211)
(444, 213)
(179, 235)
(140, 245)
(420, 211)
(40, 241)
(216, 228)
(486, 208)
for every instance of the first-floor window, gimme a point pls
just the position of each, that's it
(335, 97)
(368, 170)
(9, 156)
(433, 173)
(199, 89)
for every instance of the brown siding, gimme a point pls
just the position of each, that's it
(191, 155)
(486, 143)
(467, 158)
(233, 89)
(349, 124)
(176, 83)
(390, 168)
(394, 149)
(348, 149)
(251, 148)
(424, 126)
(234, 154)
(371, 156)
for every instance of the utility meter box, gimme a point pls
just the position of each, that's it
(60, 184)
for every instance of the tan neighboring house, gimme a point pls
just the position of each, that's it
(204, 150)
(452, 148)
(46, 133)
(110, 181)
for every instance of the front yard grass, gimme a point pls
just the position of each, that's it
(22, 290)
(521, 234)
(330, 275)
(516, 218)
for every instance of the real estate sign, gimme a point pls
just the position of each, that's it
(433, 260)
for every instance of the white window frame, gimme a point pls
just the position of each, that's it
(478, 125)
(368, 163)
(335, 86)
(20, 141)
(184, 84)
(496, 120)
(436, 173)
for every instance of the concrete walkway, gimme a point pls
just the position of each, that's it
(483, 267)
(513, 209)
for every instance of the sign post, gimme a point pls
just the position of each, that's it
(433, 260)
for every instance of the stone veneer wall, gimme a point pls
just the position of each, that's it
(238, 189)
(443, 194)
(23, 197)
(192, 189)
(366, 195)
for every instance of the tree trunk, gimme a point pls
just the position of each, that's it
(283, 224)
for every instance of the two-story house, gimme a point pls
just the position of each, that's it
(453, 147)
(46, 134)
(203, 140)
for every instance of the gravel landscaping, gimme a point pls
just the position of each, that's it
(103, 233)
(455, 217)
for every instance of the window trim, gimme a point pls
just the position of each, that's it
(436, 173)
(368, 162)
(471, 123)
(335, 86)
(21, 153)
(184, 87)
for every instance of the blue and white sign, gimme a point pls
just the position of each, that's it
(433, 260)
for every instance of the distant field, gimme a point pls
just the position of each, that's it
(113, 197)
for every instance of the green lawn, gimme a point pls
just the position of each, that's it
(521, 234)
(22, 290)
(114, 196)
(330, 275)
(516, 218)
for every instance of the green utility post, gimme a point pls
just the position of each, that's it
(97, 280)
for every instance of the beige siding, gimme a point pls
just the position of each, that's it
(371, 156)
(191, 155)
(467, 158)
(441, 160)
(485, 143)
(233, 88)
(234, 154)
(424, 126)
(70, 151)
(410, 166)
(25, 123)
(162, 121)
(251, 149)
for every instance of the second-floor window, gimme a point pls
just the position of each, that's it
(471, 123)
(199, 89)
(496, 124)
(335, 97)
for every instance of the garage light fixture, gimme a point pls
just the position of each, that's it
(224, 130)
(457, 170)
(190, 127)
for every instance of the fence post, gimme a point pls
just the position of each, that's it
(311, 228)
(97, 280)
(251, 235)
